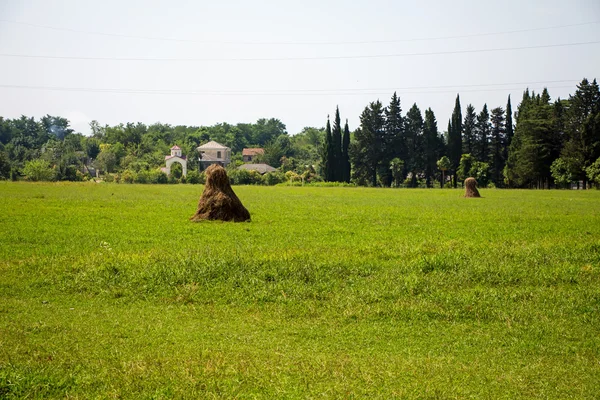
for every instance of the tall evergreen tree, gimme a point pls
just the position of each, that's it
(413, 129)
(455, 138)
(328, 160)
(509, 127)
(431, 146)
(366, 151)
(345, 154)
(483, 135)
(337, 148)
(469, 129)
(393, 143)
(533, 147)
(498, 144)
(582, 147)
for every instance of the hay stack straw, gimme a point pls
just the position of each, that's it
(218, 201)
(471, 188)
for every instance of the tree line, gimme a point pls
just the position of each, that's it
(552, 144)
(549, 144)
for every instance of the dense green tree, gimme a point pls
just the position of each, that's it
(582, 147)
(328, 162)
(336, 136)
(483, 135)
(397, 168)
(393, 142)
(497, 146)
(455, 138)
(346, 168)
(469, 130)
(413, 130)
(443, 165)
(366, 150)
(431, 146)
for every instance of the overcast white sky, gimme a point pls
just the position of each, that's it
(213, 74)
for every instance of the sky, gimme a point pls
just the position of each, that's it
(203, 62)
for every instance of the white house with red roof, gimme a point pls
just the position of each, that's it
(175, 157)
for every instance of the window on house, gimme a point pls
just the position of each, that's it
(218, 154)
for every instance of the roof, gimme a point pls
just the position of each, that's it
(253, 151)
(212, 145)
(175, 148)
(261, 168)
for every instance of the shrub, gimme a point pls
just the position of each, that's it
(273, 178)
(158, 177)
(39, 170)
(128, 176)
(109, 178)
(193, 177)
(142, 177)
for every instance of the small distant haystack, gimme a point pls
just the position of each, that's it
(218, 201)
(471, 188)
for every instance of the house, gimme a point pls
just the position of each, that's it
(175, 157)
(214, 153)
(248, 155)
(261, 168)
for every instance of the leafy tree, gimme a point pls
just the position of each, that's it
(593, 172)
(397, 168)
(465, 166)
(443, 165)
(38, 170)
(4, 165)
(560, 172)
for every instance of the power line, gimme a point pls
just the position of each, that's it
(299, 92)
(295, 58)
(296, 43)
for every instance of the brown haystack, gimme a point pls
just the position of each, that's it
(218, 201)
(471, 188)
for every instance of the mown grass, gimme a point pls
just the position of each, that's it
(107, 291)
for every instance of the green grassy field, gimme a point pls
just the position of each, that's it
(107, 291)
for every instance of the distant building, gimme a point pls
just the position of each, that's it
(261, 168)
(250, 154)
(175, 157)
(214, 153)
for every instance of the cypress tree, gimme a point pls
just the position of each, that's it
(366, 151)
(345, 155)
(431, 146)
(497, 142)
(509, 123)
(455, 138)
(337, 166)
(328, 154)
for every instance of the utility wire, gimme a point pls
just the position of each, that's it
(319, 92)
(296, 58)
(296, 43)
